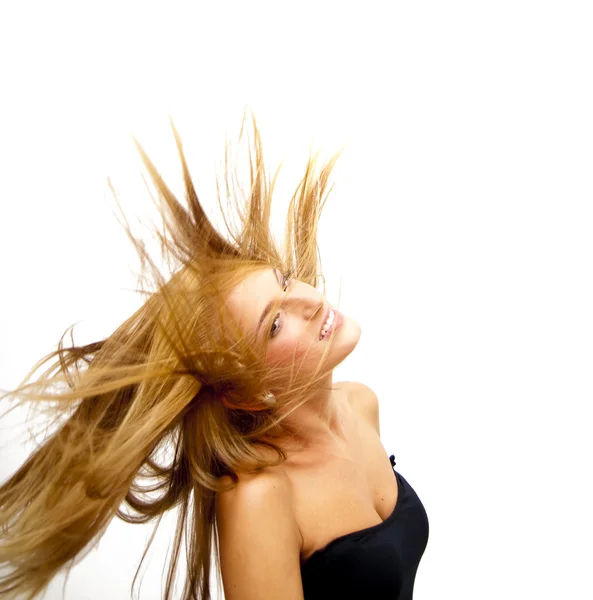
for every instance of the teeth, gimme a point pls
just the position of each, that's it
(328, 323)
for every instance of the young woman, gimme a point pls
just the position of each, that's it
(277, 471)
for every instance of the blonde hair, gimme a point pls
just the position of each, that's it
(156, 383)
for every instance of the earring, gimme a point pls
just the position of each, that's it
(269, 398)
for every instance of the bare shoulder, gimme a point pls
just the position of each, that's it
(259, 538)
(363, 401)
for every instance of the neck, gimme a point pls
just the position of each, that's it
(319, 422)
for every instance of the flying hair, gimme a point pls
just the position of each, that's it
(139, 422)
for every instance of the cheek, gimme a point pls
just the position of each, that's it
(283, 352)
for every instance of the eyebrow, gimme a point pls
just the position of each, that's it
(267, 308)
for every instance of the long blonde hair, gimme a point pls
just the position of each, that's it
(176, 375)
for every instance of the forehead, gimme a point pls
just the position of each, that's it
(248, 298)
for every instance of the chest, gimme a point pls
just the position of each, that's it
(349, 490)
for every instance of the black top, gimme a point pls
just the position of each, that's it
(376, 563)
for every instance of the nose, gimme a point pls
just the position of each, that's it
(308, 302)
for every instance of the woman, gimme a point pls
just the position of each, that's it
(228, 364)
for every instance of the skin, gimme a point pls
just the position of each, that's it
(293, 334)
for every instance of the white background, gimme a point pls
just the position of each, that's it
(459, 231)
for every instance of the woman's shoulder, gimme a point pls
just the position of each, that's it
(363, 401)
(254, 479)
(255, 488)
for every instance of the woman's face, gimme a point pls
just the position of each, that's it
(294, 331)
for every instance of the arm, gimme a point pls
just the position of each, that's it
(259, 540)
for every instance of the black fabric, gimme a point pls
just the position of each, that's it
(376, 563)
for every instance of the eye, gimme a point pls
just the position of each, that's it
(274, 331)
(286, 279)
